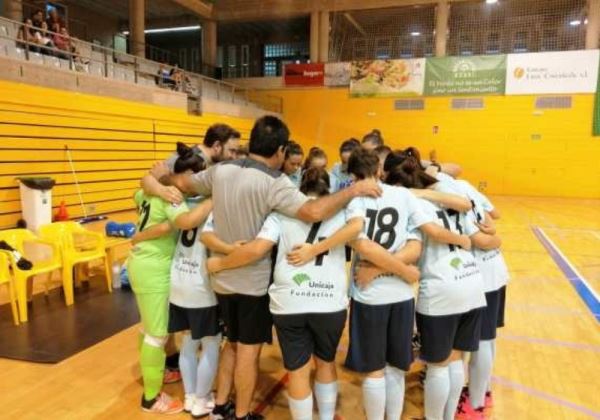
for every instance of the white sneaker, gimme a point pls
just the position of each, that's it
(188, 402)
(202, 407)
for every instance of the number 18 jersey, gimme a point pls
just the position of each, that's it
(391, 220)
(321, 285)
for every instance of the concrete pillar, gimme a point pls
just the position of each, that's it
(323, 37)
(314, 37)
(442, 12)
(592, 32)
(13, 9)
(209, 43)
(137, 38)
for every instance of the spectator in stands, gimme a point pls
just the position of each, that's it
(43, 38)
(62, 40)
(164, 77)
(27, 36)
(55, 20)
(37, 18)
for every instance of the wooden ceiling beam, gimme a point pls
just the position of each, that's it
(197, 7)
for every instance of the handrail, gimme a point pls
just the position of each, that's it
(83, 55)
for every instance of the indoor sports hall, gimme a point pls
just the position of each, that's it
(300, 209)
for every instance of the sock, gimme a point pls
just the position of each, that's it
(188, 363)
(480, 372)
(489, 385)
(301, 409)
(374, 398)
(207, 364)
(152, 362)
(394, 392)
(326, 395)
(437, 388)
(172, 361)
(456, 374)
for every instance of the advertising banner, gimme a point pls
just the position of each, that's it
(307, 74)
(476, 75)
(337, 74)
(552, 72)
(381, 78)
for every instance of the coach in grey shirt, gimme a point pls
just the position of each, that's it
(244, 192)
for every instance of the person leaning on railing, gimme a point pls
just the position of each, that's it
(27, 36)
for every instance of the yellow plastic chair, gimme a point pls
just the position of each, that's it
(21, 239)
(6, 278)
(78, 245)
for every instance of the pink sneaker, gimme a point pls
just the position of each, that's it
(466, 412)
(171, 376)
(162, 404)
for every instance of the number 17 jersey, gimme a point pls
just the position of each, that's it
(390, 220)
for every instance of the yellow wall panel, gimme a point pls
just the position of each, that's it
(508, 147)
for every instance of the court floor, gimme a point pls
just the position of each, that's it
(548, 364)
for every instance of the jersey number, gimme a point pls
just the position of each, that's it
(385, 221)
(443, 216)
(188, 237)
(312, 235)
(145, 214)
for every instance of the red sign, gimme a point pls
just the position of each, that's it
(312, 74)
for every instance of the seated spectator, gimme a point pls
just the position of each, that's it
(62, 41)
(27, 36)
(37, 18)
(43, 38)
(164, 77)
(55, 20)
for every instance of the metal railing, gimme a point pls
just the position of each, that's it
(18, 41)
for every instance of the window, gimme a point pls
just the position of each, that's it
(466, 45)
(493, 43)
(553, 102)
(520, 41)
(467, 103)
(270, 68)
(409, 104)
(383, 48)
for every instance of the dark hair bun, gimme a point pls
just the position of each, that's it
(184, 151)
(410, 165)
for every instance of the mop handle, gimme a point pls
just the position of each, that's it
(76, 180)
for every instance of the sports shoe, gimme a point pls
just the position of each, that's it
(188, 402)
(162, 404)
(202, 407)
(489, 401)
(223, 412)
(171, 376)
(466, 412)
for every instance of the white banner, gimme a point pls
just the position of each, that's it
(552, 72)
(380, 78)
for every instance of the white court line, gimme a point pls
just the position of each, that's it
(568, 262)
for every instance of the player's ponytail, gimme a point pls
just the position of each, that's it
(404, 169)
(188, 160)
(315, 181)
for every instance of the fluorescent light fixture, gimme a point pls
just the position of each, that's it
(575, 22)
(165, 30)
(491, 1)
(415, 33)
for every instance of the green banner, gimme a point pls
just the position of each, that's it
(597, 109)
(476, 75)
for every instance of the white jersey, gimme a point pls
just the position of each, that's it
(451, 281)
(190, 287)
(491, 262)
(321, 285)
(391, 220)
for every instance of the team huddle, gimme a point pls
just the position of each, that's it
(232, 245)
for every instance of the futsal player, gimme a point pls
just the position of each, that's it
(451, 296)
(149, 267)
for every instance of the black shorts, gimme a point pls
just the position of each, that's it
(490, 316)
(201, 322)
(302, 335)
(247, 319)
(380, 335)
(442, 334)
(501, 306)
